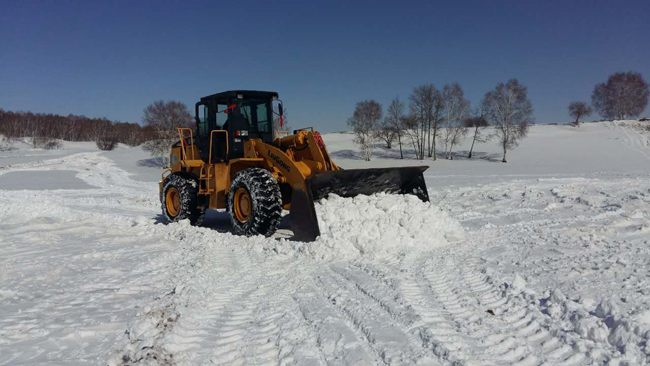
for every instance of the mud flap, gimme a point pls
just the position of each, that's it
(350, 183)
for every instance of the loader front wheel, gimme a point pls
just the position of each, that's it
(254, 203)
(179, 200)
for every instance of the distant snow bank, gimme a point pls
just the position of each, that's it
(376, 226)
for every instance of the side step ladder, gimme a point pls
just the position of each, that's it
(204, 180)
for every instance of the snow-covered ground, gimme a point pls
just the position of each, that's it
(544, 260)
(22, 152)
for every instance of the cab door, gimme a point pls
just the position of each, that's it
(205, 121)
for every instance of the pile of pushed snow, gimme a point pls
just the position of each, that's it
(378, 225)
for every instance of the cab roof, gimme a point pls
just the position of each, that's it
(231, 94)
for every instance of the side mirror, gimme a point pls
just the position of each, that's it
(280, 109)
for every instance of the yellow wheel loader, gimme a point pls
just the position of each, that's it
(236, 160)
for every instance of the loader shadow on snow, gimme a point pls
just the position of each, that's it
(219, 220)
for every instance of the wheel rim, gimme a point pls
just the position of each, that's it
(243, 205)
(173, 201)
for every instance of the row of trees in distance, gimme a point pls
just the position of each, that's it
(439, 120)
(47, 130)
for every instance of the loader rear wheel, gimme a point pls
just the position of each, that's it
(179, 198)
(254, 203)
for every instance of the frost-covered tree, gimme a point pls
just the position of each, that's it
(578, 110)
(164, 117)
(509, 110)
(365, 123)
(395, 120)
(456, 108)
(477, 124)
(624, 95)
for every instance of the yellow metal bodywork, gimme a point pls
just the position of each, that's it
(291, 159)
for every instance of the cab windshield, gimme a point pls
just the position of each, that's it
(258, 114)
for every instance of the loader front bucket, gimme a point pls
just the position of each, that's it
(350, 183)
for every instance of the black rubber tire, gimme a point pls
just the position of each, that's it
(188, 190)
(266, 200)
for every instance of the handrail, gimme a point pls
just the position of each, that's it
(181, 134)
(227, 145)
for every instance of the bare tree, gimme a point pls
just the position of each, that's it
(436, 121)
(508, 108)
(167, 116)
(6, 143)
(133, 137)
(107, 139)
(456, 108)
(164, 118)
(365, 122)
(425, 106)
(98, 129)
(623, 96)
(477, 124)
(394, 119)
(578, 110)
(386, 133)
(412, 132)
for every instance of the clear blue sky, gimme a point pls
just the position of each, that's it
(112, 58)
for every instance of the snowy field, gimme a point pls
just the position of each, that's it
(543, 260)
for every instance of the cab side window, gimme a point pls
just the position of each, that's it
(263, 124)
(203, 126)
(222, 116)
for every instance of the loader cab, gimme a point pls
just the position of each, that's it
(235, 116)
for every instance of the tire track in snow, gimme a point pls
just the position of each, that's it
(232, 329)
(389, 342)
(437, 328)
(512, 335)
(338, 342)
(264, 326)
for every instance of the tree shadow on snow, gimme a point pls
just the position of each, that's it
(347, 154)
(380, 152)
(151, 163)
(476, 155)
